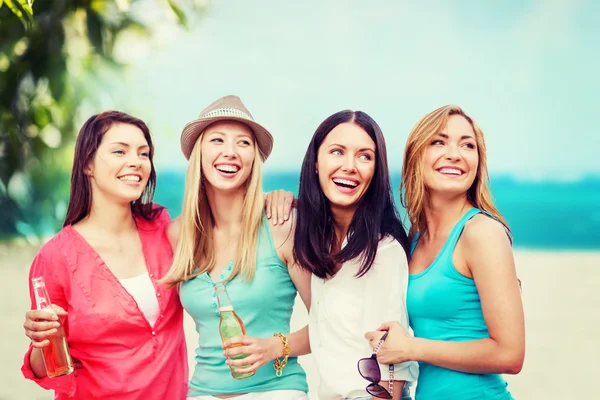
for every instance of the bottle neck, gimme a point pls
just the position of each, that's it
(223, 297)
(42, 298)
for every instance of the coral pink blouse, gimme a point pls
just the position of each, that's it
(120, 356)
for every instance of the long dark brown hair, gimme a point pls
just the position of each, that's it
(88, 141)
(375, 217)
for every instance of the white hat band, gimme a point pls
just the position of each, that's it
(227, 112)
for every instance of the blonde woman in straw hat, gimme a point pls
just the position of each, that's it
(463, 295)
(224, 237)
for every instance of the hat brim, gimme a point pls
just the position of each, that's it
(192, 130)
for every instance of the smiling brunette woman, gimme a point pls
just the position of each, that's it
(354, 245)
(463, 293)
(124, 330)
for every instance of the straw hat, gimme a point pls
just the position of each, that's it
(228, 108)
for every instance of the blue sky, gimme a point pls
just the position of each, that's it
(527, 71)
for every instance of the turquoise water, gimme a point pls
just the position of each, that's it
(542, 215)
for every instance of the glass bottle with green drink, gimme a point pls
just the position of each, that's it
(230, 325)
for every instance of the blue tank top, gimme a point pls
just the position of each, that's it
(444, 305)
(264, 305)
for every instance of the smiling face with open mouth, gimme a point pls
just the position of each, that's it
(121, 166)
(451, 159)
(346, 165)
(228, 151)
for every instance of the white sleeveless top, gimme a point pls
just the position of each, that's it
(142, 290)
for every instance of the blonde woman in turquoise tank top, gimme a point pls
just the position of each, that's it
(224, 237)
(463, 298)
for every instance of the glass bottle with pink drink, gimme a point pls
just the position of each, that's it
(57, 358)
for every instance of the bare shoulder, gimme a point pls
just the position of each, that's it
(283, 233)
(485, 245)
(283, 238)
(482, 230)
(174, 231)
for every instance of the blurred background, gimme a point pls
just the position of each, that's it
(526, 70)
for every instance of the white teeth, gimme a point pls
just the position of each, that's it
(130, 178)
(228, 168)
(451, 171)
(345, 182)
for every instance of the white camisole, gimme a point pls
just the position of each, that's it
(142, 290)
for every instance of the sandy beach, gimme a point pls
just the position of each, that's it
(560, 295)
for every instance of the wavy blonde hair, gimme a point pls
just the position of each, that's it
(413, 193)
(195, 253)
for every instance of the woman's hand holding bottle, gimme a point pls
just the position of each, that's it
(40, 324)
(259, 351)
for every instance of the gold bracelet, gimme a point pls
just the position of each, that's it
(280, 364)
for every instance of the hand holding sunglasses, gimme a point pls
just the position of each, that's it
(368, 368)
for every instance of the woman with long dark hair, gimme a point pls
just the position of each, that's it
(123, 329)
(354, 244)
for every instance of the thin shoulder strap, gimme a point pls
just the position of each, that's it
(265, 237)
(454, 234)
(459, 227)
(413, 244)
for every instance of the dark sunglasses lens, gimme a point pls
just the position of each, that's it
(369, 369)
(377, 390)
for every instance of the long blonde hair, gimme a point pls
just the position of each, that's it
(413, 192)
(195, 253)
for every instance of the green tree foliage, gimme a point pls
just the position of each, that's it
(48, 51)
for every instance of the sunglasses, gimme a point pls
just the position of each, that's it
(368, 368)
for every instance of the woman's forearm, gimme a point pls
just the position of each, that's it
(298, 343)
(398, 386)
(484, 356)
(36, 362)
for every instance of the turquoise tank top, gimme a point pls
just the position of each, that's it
(443, 304)
(264, 305)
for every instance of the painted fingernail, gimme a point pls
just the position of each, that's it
(54, 317)
(55, 325)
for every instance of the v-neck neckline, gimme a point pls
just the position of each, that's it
(452, 233)
(111, 274)
(227, 270)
